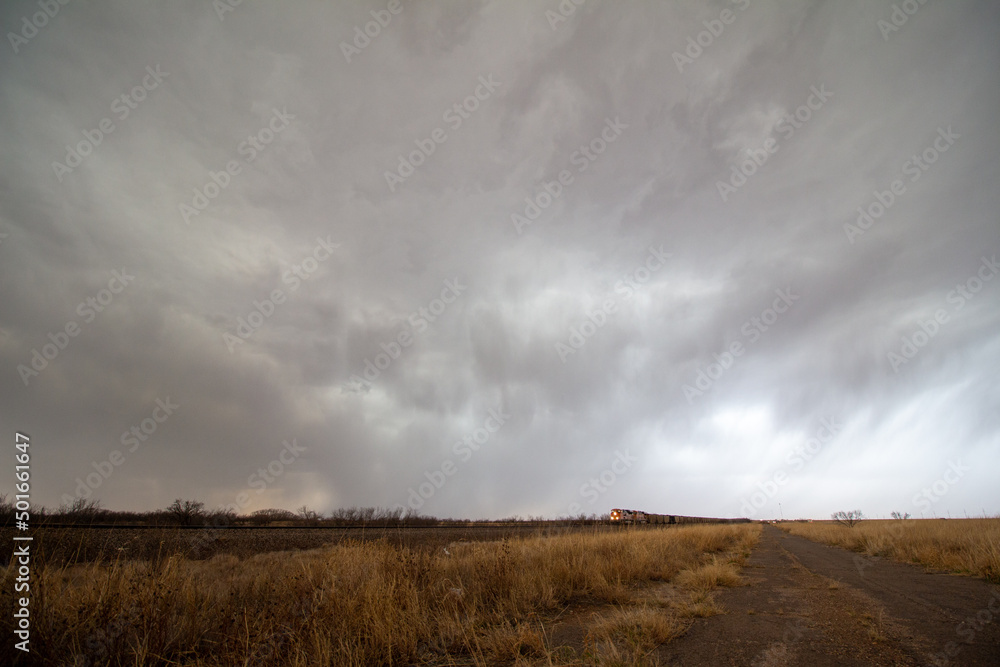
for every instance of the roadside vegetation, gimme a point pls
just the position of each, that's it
(963, 546)
(378, 603)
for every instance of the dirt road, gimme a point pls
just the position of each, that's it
(810, 604)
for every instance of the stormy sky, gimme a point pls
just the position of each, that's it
(503, 258)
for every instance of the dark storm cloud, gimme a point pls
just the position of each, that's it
(294, 198)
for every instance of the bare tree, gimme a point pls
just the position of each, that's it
(186, 511)
(81, 509)
(388, 514)
(349, 515)
(308, 516)
(900, 516)
(266, 516)
(848, 518)
(221, 517)
(6, 509)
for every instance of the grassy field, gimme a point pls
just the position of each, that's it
(87, 545)
(964, 546)
(378, 603)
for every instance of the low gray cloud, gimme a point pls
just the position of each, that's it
(294, 193)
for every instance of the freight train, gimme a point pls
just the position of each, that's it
(631, 517)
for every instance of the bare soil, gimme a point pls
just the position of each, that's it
(811, 604)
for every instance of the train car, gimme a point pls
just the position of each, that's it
(624, 516)
(631, 517)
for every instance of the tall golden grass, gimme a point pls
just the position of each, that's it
(372, 603)
(964, 546)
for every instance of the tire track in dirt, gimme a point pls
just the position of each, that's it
(810, 604)
(941, 613)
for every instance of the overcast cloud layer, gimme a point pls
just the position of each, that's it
(591, 233)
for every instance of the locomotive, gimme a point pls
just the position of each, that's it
(623, 516)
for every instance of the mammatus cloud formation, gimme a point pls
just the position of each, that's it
(486, 258)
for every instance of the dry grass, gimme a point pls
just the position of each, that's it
(373, 603)
(85, 545)
(711, 575)
(964, 546)
(629, 634)
(698, 604)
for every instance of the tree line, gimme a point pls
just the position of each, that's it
(183, 512)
